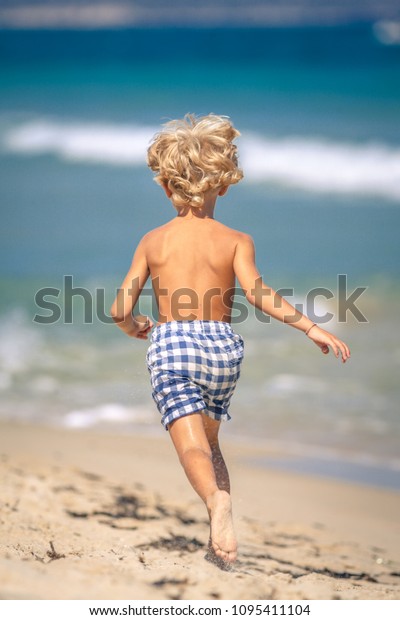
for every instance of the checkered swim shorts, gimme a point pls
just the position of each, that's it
(194, 366)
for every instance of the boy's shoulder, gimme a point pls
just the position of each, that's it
(237, 237)
(217, 226)
(153, 234)
(216, 232)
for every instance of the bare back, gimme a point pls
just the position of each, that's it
(191, 267)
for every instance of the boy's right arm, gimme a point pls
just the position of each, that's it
(268, 301)
(128, 294)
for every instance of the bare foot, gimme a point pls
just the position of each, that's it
(223, 539)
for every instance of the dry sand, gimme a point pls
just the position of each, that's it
(99, 516)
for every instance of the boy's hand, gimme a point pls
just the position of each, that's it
(324, 340)
(142, 326)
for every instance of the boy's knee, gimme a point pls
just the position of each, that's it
(193, 453)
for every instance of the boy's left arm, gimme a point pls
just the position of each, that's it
(128, 294)
(269, 301)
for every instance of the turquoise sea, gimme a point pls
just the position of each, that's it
(319, 113)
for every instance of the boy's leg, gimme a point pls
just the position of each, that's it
(196, 441)
(211, 428)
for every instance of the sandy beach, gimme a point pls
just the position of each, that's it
(94, 516)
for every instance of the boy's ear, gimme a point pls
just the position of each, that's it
(223, 190)
(166, 190)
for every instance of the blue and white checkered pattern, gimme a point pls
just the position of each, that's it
(194, 366)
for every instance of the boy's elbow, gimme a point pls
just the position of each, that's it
(115, 315)
(250, 298)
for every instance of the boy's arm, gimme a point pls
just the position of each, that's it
(267, 300)
(128, 294)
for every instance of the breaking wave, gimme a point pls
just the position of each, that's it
(312, 164)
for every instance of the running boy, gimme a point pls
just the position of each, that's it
(194, 355)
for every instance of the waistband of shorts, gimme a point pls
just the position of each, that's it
(198, 326)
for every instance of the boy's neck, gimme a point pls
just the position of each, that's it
(200, 213)
(204, 212)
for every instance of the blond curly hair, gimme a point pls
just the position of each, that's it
(194, 155)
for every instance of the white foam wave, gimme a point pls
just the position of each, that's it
(110, 413)
(288, 384)
(323, 166)
(387, 32)
(312, 164)
(18, 345)
(123, 145)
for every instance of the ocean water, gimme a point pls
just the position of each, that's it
(319, 114)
